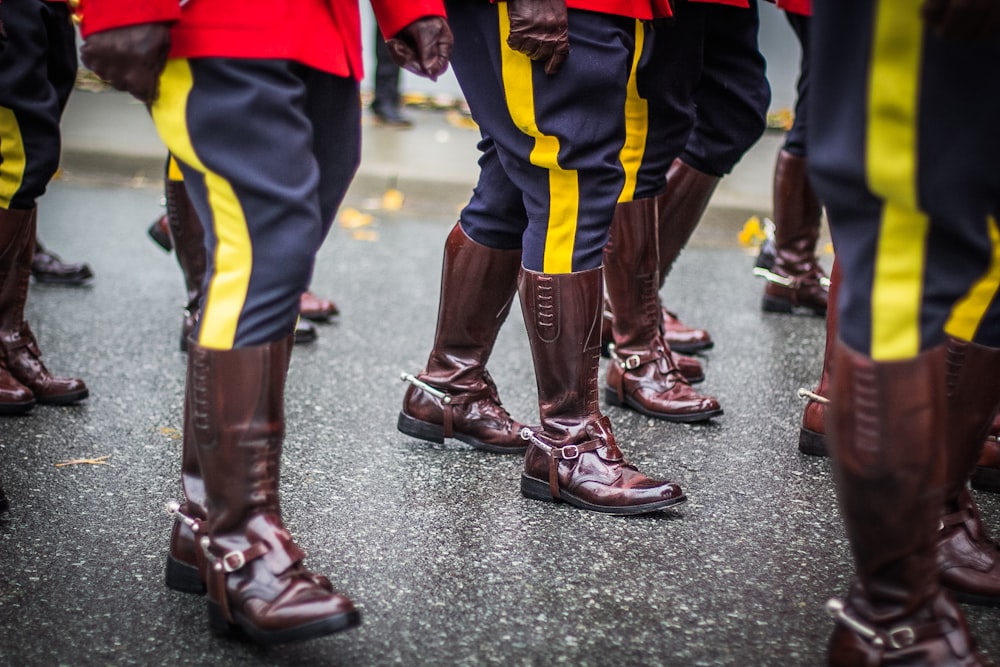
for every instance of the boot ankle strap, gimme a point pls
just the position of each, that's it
(629, 362)
(221, 565)
(899, 637)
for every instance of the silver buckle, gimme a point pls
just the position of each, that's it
(239, 561)
(572, 449)
(631, 363)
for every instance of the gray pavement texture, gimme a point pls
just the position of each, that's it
(448, 563)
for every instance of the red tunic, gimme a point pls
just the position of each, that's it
(796, 6)
(325, 34)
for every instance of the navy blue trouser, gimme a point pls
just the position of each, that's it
(903, 143)
(795, 139)
(37, 72)
(550, 172)
(268, 149)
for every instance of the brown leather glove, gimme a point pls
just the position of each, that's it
(130, 58)
(540, 30)
(963, 19)
(423, 47)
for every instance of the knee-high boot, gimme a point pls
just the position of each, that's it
(454, 396)
(256, 579)
(574, 456)
(812, 439)
(969, 560)
(887, 428)
(642, 375)
(795, 280)
(679, 210)
(20, 350)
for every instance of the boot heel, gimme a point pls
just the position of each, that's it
(418, 429)
(183, 578)
(536, 490)
(812, 443)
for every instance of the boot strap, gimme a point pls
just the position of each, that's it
(557, 454)
(21, 339)
(899, 637)
(220, 566)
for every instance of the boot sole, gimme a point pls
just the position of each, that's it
(536, 489)
(611, 398)
(183, 578)
(422, 430)
(17, 408)
(242, 628)
(986, 479)
(812, 443)
(63, 399)
(772, 305)
(974, 599)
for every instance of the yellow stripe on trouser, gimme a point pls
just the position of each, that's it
(564, 188)
(174, 170)
(636, 122)
(892, 175)
(227, 289)
(12, 158)
(968, 313)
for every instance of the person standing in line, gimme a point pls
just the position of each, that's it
(262, 111)
(38, 66)
(546, 83)
(387, 105)
(795, 279)
(913, 202)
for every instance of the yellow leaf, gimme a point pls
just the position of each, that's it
(752, 233)
(99, 461)
(392, 200)
(352, 218)
(365, 235)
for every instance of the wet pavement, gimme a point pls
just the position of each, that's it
(448, 563)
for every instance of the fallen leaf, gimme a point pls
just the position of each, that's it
(99, 461)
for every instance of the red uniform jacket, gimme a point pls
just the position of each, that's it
(796, 6)
(325, 34)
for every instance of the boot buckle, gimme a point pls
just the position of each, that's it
(902, 637)
(569, 452)
(629, 363)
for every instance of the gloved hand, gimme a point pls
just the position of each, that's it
(962, 19)
(540, 30)
(130, 58)
(423, 47)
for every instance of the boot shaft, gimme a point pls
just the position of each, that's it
(679, 210)
(631, 275)
(797, 216)
(562, 313)
(17, 245)
(886, 431)
(236, 411)
(477, 289)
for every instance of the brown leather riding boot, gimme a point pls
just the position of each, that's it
(454, 396)
(796, 280)
(887, 430)
(257, 583)
(574, 457)
(969, 560)
(20, 350)
(642, 376)
(15, 398)
(188, 238)
(812, 438)
(679, 210)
